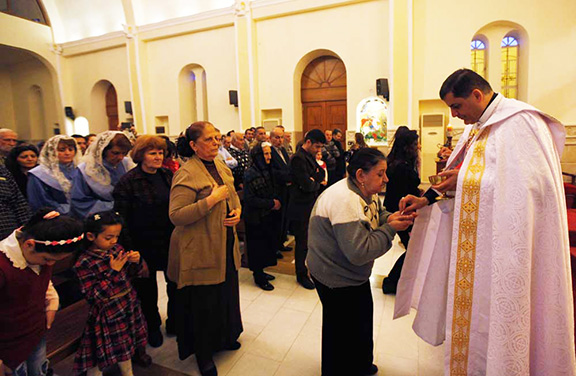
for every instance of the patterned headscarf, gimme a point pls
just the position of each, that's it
(49, 159)
(93, 157)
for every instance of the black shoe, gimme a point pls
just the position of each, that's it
(305, 282)
(233, 346)
(155, 338)
(265, 285)
(207, 367)
(389, 287)
(279, 255)
(285, 249)
(141, 358)
(269, 277)
(372, 370)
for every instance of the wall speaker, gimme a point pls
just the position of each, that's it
(233, 95)
(69, 113)
(382, 88)
(128, 107)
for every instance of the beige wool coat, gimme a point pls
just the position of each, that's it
(198, 243)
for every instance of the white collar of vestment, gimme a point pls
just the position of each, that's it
(11, 248)
(490, 110)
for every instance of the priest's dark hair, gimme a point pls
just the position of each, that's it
(462, 82)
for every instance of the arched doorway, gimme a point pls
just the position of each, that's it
(112, 108)
(323, 93)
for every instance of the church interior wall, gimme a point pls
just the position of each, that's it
(357, 33)
(6, 100)
(215, 51)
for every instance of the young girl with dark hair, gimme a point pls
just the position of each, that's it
(115, 330)
(29, 300)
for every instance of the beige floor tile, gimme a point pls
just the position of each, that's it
(302, 300)
(430, 359)
(277, 338)
(253, 365)
(396, 366)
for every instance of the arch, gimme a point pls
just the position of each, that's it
(479, 52)
(297, 82)
(27, 69)
(193, 96)
(99, 119)
(494, 32)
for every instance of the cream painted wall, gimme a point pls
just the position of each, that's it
(23, 77)
(6, 102)
(357, 33)
(83, 72)
(214, 50)
(442, 45)
(151, 11)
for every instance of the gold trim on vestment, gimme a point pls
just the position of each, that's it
(466, 257)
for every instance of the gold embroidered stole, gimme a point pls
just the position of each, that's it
(466, 257)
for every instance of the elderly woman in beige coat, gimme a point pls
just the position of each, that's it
(204, 254)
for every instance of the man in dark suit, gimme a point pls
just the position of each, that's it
(307, 178)
(280, 166)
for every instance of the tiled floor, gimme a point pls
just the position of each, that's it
(282, 333)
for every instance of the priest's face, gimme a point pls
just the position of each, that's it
(467, 109)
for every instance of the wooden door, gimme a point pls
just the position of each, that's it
(324, 94)
(112, 108)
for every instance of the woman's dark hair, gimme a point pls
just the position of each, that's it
(364, 159)
(58, 229)
(121, 141)
(192, 133)
(171, 151)
(69, 143)
(403, 148)
(359, 139)
(12, 158)
(95, 223)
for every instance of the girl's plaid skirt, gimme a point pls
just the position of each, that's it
(113, 332)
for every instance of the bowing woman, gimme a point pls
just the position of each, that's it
(102, 166)
(204, 254)
(50, 183)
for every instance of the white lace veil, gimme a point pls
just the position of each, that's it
(93, 157)
(49, 159)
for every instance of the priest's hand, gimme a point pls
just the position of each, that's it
(411, 203)
(50, 316)
(449, 183)
(401, 222)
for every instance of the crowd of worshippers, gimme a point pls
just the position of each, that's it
(148, 196)
(150, 205)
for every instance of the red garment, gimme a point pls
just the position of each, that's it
(171, 164)
(115, 326)
(22, 310)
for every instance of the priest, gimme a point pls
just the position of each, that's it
(488, 265)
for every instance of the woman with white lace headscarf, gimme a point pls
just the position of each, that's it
(102, 166)
(50, 183)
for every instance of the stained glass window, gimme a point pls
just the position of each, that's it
(510, 67)
(478, 57)
(372, 120)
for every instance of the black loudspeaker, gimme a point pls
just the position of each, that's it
(382, 88)
(128, 107)
(233, 95)
(69, 113)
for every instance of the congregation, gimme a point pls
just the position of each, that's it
(134, 205)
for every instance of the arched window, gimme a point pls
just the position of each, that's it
(478, 57)
(510, 67)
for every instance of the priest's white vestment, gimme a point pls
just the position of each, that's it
(489, 271)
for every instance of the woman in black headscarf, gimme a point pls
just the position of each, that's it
(261, 215)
